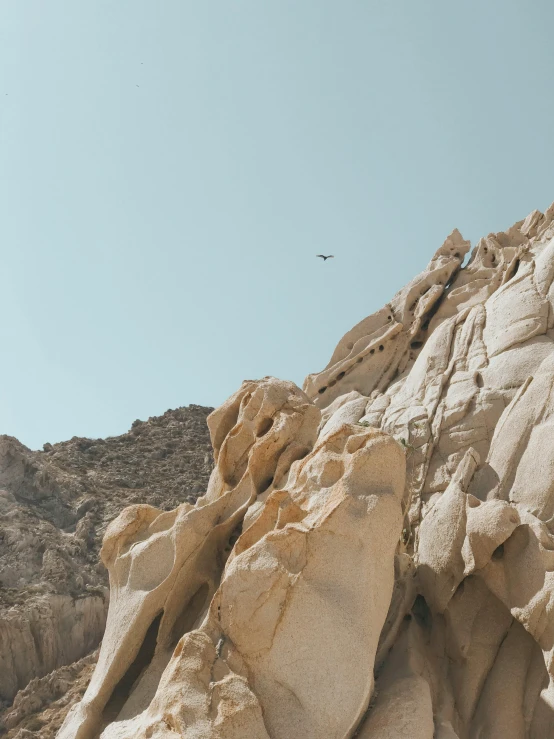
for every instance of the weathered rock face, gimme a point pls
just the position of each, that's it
(55, 506)
(469, 397)
(249, 636)
(41, 707)
(48, 631)
(373, 556)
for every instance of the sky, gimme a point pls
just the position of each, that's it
(169, 170)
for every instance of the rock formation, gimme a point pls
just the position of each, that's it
(373, 554)
(293, 598)
(55, 506)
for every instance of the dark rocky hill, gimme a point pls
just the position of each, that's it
(55, 505)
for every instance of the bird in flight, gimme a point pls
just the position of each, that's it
(329, 256)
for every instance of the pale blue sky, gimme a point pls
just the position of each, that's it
(158, 241)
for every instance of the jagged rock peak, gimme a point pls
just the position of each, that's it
(373, 553)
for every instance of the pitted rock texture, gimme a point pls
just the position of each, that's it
(55, 506)
(373, 556)
(208, 639)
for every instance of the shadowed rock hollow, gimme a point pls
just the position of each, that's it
(373, 554)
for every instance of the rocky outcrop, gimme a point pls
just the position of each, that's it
(307, 584)
(55, 506)
(373, 554)
(48, 631)
(41, 707)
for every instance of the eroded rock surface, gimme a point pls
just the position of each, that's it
(247, 635)
(373, 555)
(55, 506)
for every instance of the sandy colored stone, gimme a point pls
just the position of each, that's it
(297, 593)
(373, 556)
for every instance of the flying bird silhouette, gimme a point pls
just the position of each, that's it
(329, 256)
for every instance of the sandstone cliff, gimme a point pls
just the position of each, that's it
(54, 508)
(372, 555)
